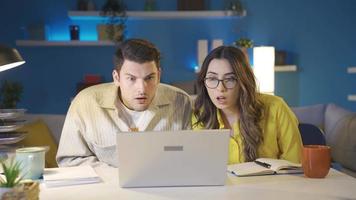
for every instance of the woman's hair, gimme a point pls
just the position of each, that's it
(249, 106)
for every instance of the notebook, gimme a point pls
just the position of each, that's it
(66, 176)
(265, 166)
(173, 158)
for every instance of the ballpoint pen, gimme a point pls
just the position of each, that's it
(263, 164)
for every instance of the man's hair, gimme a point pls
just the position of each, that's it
(136, 50)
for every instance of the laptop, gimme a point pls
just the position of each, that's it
(173, 158)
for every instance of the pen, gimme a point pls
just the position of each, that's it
(263, 164)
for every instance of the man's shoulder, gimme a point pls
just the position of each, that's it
(97, 89)
(167, 94)
(96, 92)
(171, 91)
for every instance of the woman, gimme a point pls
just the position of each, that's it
(262, 125)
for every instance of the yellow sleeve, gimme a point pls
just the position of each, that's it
(289, 139)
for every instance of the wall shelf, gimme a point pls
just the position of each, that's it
(285, 68)
(351, 70)
(95, 15)
(351, 97)
(63, 43)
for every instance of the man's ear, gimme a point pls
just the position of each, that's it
(116, 77)
(159, 75)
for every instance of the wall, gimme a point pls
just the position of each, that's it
(317, 34)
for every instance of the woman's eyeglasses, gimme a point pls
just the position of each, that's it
(213, 83)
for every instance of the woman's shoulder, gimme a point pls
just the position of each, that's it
(267, 98)
(272, 102)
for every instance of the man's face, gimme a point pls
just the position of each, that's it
(138, 83)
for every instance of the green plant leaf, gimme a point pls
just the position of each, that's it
(11, 172)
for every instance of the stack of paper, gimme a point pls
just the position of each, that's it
(65, 176)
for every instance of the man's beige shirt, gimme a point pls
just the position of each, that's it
(93, 120)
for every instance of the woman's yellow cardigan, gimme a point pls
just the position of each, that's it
(281, 137)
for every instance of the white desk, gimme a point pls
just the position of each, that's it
(335, 186)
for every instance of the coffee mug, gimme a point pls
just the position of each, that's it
(316, 161)
(32, 161)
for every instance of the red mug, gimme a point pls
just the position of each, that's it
(316, 160)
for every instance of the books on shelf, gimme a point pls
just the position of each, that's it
(65, 176)
(265, 166)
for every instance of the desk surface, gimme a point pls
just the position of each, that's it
(335, 186)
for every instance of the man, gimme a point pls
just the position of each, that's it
(135, 101)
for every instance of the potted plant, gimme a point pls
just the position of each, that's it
(12, 178)
(11, 185)
(10, 94)
(244, 44)
(115, 13)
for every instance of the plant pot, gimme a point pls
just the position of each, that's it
(107, 32)
(4, 190)
(27, 190)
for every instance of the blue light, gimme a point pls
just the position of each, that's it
(193, 65)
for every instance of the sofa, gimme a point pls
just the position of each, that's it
(337, 123)
(339, 127)
(43, 130)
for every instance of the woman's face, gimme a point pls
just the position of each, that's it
(221, 84)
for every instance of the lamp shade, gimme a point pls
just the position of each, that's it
(9, 58)
(263, 68)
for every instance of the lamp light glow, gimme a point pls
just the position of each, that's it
(263, 68)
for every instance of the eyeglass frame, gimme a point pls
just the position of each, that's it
(222, 81)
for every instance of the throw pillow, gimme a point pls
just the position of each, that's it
(38, 134)
(333, 114)
(342, 140)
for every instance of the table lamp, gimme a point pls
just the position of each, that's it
(263, 68)
(9, 58)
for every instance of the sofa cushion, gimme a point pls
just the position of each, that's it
(340, 126)
(333, 114)
(53, 121)
(38, 134)
(311, 114)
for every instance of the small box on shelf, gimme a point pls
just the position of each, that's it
(36, 32)
(190, 5)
